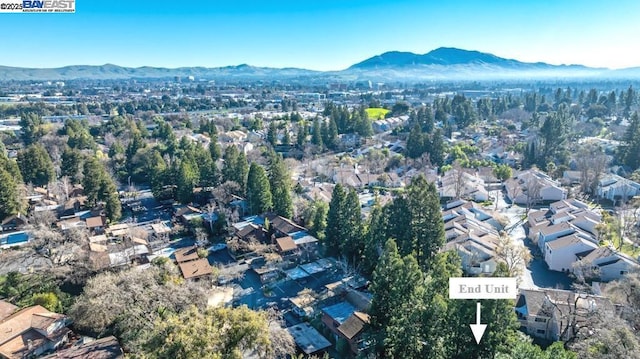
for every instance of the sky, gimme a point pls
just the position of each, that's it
(319, 34)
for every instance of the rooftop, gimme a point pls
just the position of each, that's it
(196, 268)
(308, 339)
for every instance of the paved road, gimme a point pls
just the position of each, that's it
(536, 274)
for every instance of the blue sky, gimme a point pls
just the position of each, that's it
(320, 35)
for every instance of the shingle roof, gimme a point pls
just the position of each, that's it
(194, 269)
(186, 254)
(105, 348)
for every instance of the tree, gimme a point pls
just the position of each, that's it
(316, 135)
(272, 134)
(259, 198)
(35, 165)
(375, 238)
(10, 202)
(128, 303)
(436, 148)
(99, 186)
(394, 312)
(215, 333)
(629, 151)
(235, 167)
(280, 183)
(502, 172)
(335, 233)
(32, 126)
(427, 227)
(70, 167)
(188, 177)
(352, 245)
(515, 256)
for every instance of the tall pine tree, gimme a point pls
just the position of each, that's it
(259, 197)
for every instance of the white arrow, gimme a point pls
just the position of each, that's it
(478, 329)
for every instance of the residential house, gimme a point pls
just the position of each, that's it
(352, 329)
(13, 223)
(457, 183)
(560, 255)
(546, 313)
(95, 224)
(346, 319)
(563, 218)
(104, 348)
(190, 263)
(604, 264)
(473, 234)
(31, 331)
(534, 186)
(614, 188)
(308, 339)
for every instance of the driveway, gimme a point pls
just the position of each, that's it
(536, 274)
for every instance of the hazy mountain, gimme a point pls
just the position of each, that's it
(440, 64)
(110, 71)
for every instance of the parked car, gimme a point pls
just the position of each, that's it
(217, 247)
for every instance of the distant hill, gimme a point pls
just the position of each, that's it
(444, 63)
(109, 71)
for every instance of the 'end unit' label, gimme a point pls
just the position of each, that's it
(483, 288)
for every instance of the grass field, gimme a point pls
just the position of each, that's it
(376, 113)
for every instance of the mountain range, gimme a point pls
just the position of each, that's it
(444, 63)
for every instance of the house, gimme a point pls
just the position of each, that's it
(545, 313)
(352, 330)
(534, 186)
(614, 187)
(186, 254)
(308, 339)
(338, 318)
(561, 253)
(95, 224)
(13, 223)
(604, 263)
(194, 269)
(302, 304)
(31, 331)
(286, 245)
(282, 226)
(104, 348)
(473, 234)
(457, 183)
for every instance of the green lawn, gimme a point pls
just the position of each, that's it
(376, 113)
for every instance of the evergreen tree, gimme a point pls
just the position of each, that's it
(35, 165)
(10, 202)
(332, 135)
(427, 227)
(280, 183)
(286, 138)
(336, 231)
(157, 173)
(319, 220)
(188, 177)
(415, 142)
(32, 127)
(272, 134)
(301, 137)
(259, 197)
(395, 308)
(10, 165)
(352, 245)
(316, 137)
(235, 167)
(629, 151)
(70, 167)
(436, 148)
(375, 238)
(92, 179)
